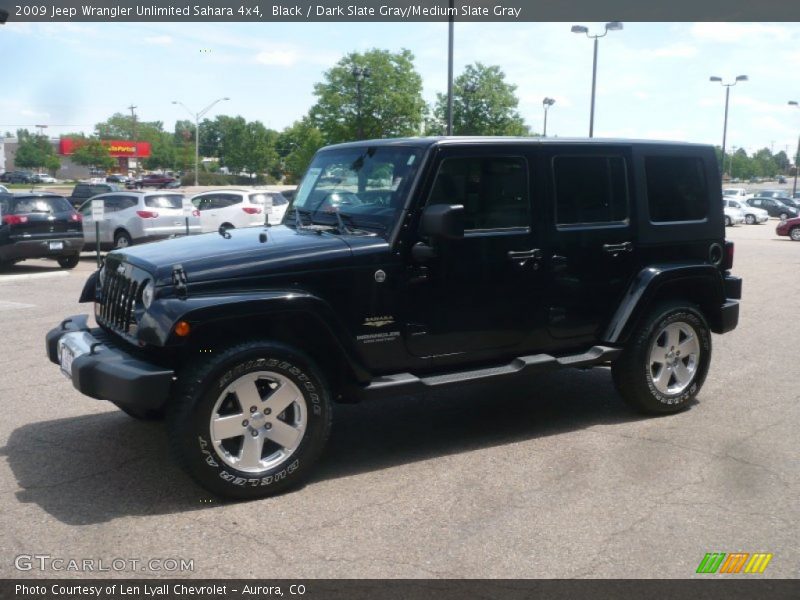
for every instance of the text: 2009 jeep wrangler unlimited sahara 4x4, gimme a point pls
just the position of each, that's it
(408, 265)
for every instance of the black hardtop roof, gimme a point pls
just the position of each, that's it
(426, 142)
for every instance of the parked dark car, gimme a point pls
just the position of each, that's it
(17, 177)
(83, 191)
(117, 178)
(441, 262)
(781, 195)
(776, 207)
(156, 181)
(39, 225)
(789, 227)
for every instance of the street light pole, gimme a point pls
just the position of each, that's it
(546, 103)
(611, 26)
(360, 74)
(797, 154)
(197, 117)
(728, 87)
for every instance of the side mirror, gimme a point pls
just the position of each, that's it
(442, 221)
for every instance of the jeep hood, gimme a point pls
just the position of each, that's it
(238, 254)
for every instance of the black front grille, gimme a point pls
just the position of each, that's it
(118, 301)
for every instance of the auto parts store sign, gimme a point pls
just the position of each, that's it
(116, 148)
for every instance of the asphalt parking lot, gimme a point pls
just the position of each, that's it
(560, 480)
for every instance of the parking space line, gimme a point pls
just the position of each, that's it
(23, 276)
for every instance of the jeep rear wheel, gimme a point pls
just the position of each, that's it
(250, 421)
(666, 361)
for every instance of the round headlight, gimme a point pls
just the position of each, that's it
(147, 294)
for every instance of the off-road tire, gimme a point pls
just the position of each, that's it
(192, 407)
(69, 262)
(632, 371)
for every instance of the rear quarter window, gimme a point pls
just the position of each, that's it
(677, 189)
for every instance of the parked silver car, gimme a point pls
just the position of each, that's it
(134, 217)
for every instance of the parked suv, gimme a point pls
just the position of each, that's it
(17, 177)
(83, 191)
(132, 217)
(405, 266)
(39, 225)
(239, 208)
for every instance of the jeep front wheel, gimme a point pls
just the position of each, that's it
(666, 361)
(251, 421)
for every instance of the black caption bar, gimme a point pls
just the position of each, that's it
(397, 589)
(400, 10)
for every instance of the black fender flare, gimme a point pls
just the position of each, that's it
(647, 286)
(157, 325)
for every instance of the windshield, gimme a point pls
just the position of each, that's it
(168, 201)
(368, 184)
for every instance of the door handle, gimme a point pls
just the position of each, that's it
(524, 254)
(617, 248)
(521, 257)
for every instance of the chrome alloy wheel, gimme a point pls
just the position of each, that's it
(674, 358)
(258, 421)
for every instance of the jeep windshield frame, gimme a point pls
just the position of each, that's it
(368, 185)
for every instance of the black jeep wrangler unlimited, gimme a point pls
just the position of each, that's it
(403, 266)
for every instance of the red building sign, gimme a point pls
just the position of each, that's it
(116, 148)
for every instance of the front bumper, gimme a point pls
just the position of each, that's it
(102, 368)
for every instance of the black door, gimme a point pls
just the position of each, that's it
(479, 295)
(590, 243)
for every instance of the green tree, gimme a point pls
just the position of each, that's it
(296, 146)
(782, 162)
(374, 94)
(483, 104)
(91, 152)
(35, 152)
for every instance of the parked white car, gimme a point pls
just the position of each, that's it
(737, 192)
(133, 217)
(4, 190)
(733, 216)
(752, 214)
(239, 208)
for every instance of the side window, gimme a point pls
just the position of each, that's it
(225, 200)
(493, 190)
(590, 189)
(126, 202)
(112, 204)
(676, 188)
(204, 202)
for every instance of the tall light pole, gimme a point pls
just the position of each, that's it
(611, 26)
(727, 87)
(360, 74)
(450, 33)
(546, 103)
(797, 155)
(197, 117)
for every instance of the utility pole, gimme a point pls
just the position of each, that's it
(132, 108)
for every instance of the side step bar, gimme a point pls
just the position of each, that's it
(523, 366)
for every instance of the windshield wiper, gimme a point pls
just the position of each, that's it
(298, 221)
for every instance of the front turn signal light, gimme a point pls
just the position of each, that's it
(182, 328)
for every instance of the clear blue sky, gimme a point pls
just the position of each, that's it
(652, 83)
